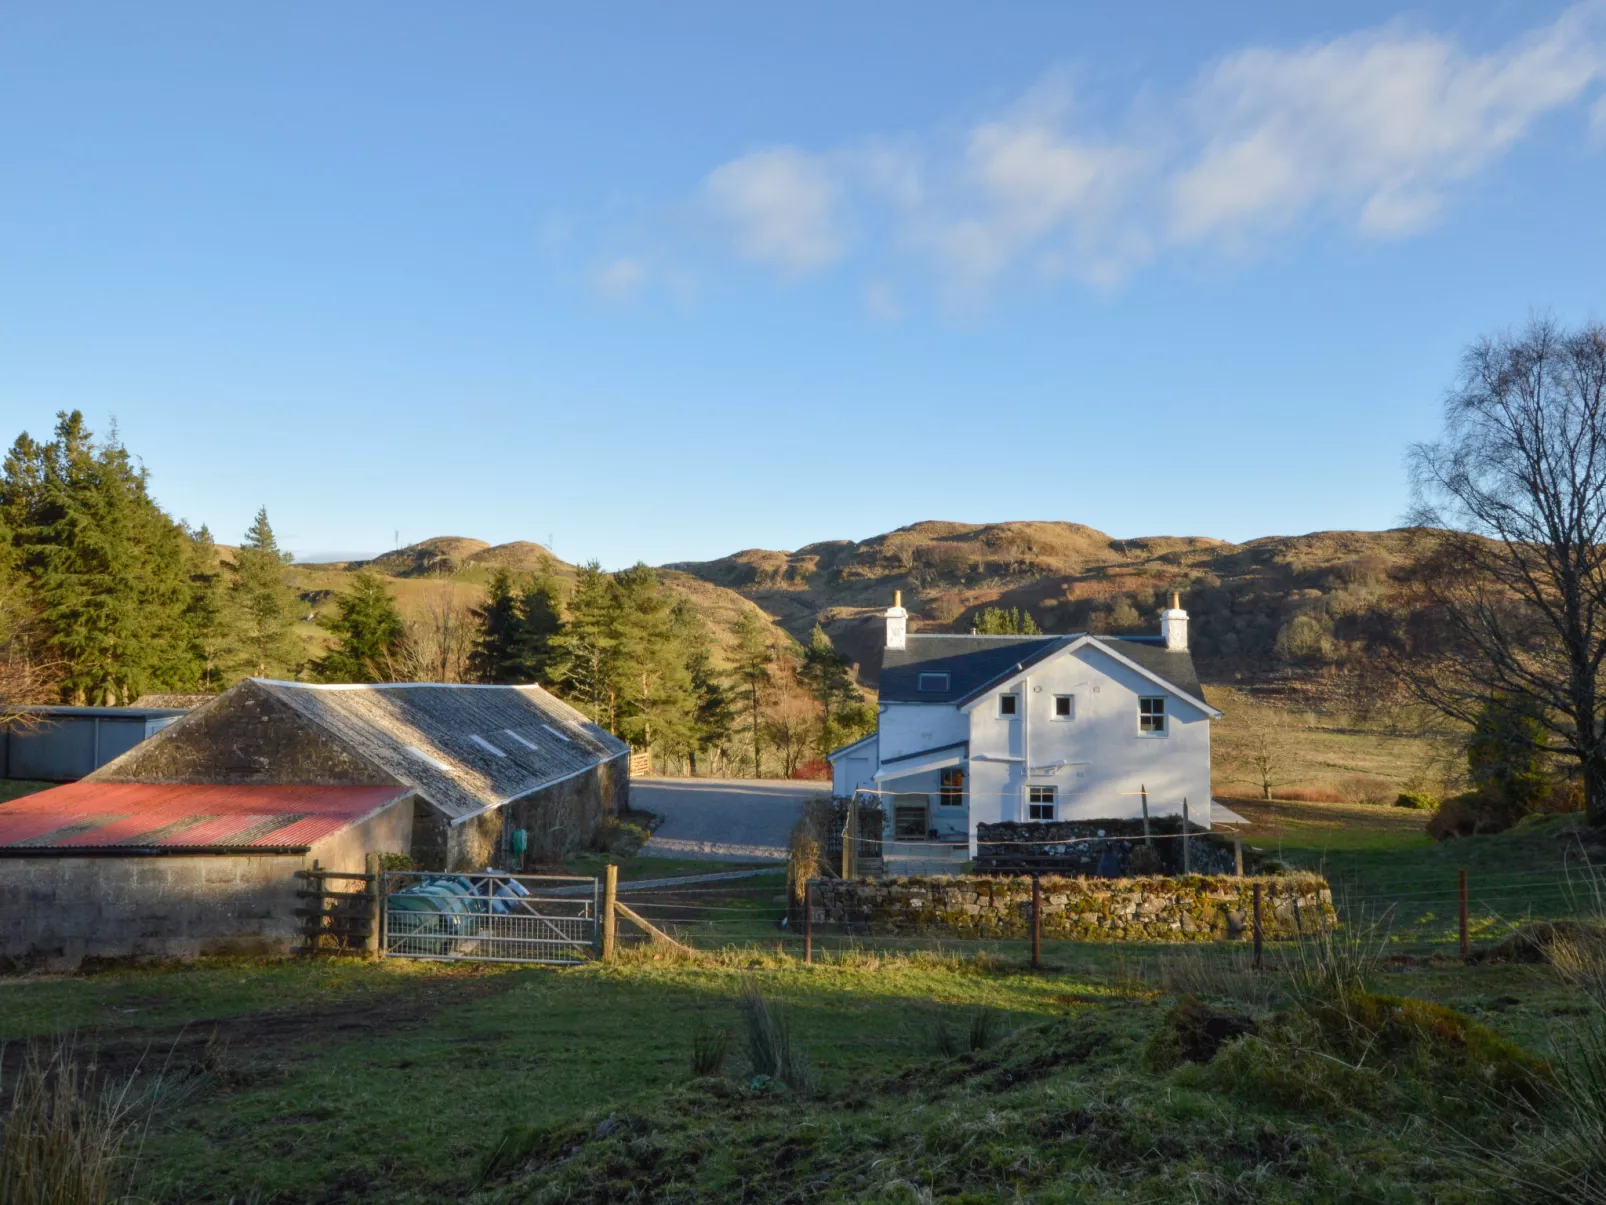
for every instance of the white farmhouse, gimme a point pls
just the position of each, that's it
(978, 729)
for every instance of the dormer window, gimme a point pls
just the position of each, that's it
(1008, 705)
(932, 683)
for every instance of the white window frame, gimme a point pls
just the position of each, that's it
(1041, 797)
(1013, 714)
(1161, 715)
(944, 680)
(1070, 715)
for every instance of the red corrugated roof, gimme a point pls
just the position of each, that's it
(160, 815)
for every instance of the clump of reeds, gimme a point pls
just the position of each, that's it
(710, 1047)
(770, 1046)
(62, 1140)
(982, 1028)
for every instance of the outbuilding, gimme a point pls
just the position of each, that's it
(107, 870)
(485, 763)
(63, 744)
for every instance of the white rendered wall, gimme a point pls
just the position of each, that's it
(1116, 759)
(916, 727)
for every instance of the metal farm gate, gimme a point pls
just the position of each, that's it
(489, 917)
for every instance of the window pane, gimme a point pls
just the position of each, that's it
(1062, 705)
(1006, 704)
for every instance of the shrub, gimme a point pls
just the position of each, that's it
(395, 861)
(1419, 801)
(615, 836)
(814, 770)
(1473, 813)
(1367, 788)
(1144, 861)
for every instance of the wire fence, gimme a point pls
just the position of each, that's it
(1448, 910)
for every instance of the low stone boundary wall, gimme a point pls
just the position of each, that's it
(1184, 908)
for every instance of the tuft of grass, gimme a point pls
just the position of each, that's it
(710, 1047)
(64, 1137)
(770, 1048)
(982, 1029)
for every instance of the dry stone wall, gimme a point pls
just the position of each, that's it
(1182, 908)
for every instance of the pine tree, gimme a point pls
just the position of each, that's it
(824, 673)
(496, 653)
(266, 602)
(589, 645)
(653, 685)
(1005, 621)
(713, 714)
(754, 656)
(370, 636)
(103, 561)
(541, 621)
(208, 619)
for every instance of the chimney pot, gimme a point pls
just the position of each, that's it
(897, 622)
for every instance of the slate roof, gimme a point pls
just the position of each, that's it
(974, 663)
(132, 818)
(466, 748)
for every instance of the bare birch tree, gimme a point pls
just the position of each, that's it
(1514, 596)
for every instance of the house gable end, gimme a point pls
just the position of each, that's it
(993, 689)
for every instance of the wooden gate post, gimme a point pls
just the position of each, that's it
(1238, 853)
(1143, 791)
(1037, 923)
(808, 921)
(1260, 962)
(610, 900)
(1461, 886)
(376, 913)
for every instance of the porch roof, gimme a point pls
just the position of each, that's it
(939, 758)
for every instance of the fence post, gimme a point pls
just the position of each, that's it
(1238, 853)
(808, 921)
(371, 946)
(1144, 792)
(1466, 944)
(1187, 860)
(1037, 922)
(610, 897)
(1260, 961)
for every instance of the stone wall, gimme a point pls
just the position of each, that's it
(245, 735)
(56, 912)
(559, 819)
(1183, 908)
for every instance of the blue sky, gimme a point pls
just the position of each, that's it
(663, 282)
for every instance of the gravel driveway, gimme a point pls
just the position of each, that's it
(722, 819)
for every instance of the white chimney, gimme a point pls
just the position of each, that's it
(897, 622)
(1174, 626)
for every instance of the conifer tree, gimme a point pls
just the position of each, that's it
(713, 714)
(209, 619)
(267, 604)
(1005, 621)
(589, 645)
(541, 620)
(754, 656)
(371, 639)
(652, 682)
(496, 653)
(103, 561)
(824, 673)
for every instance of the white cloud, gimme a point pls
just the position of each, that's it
(1372, 131)
(881, 299)
(1377, 127)
(782, 208)
(621, 279)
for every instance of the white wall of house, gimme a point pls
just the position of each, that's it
(1107, 758)
(854, 770)
(907, 728)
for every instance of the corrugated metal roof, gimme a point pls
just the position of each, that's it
(467, 748)
(133, 816)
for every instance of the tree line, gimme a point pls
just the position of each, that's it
(104, 597)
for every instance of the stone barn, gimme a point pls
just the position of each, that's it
(484, 763)
(107, 870)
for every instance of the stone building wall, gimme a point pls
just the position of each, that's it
(559, 819)
(57, 912)
(1184, 908)
(245, 735)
